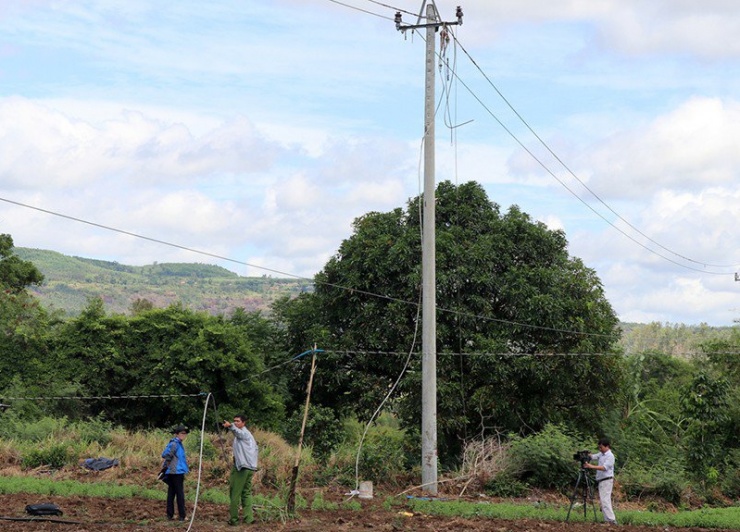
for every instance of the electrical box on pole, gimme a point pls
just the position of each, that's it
(429, 283)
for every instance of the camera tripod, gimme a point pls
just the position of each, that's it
(586, 494)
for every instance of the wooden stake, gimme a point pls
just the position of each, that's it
(294, 478)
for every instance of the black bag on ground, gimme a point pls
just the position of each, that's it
(46, 508)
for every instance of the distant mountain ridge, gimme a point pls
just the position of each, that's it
(71, 281)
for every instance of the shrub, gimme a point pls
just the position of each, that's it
(382, 456)
(545, 459)
(55, 456)
(730, 485)
(730, 478)
(95, 430)
(504, 485)
(666, 480)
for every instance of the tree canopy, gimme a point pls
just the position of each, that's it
(23, 322)
(15, 274)
(510, 301)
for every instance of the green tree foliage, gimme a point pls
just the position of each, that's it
(23, 322)
(15, 274)
(653, 421)
(706, 404)
(545, 459)
(171, 351)
(505, 284)
(674, 339)
(724, 357)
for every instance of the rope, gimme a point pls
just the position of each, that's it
(200, 461)
(219, 433)
(42, 398)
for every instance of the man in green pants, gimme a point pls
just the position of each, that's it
(245, 464)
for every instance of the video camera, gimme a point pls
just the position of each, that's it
(582, 456)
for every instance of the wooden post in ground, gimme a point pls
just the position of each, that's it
(294, 477)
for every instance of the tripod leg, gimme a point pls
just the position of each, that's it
(585, 496)
(573, 497)
(591, 495)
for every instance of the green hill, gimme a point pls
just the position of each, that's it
(71, 281)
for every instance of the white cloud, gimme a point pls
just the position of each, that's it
(706, 29)
(691, 147)
(259, 133)
(41, 147)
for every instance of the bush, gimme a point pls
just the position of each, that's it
(382, 456)
(504, 485)
(95, 430)
(545, 459)
(666, 480)
(55, 457)
(730, 482)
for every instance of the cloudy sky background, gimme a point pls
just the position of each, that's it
(258, 131)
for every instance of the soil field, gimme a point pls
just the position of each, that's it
(112, 515)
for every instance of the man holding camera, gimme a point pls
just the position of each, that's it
(604, 478)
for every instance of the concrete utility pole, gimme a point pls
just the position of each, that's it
(429, 249)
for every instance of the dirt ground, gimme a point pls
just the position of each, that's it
(97, 514)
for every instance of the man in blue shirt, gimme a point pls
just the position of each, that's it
(174, 467)
(604, 478)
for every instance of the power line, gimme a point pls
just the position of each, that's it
(571, 172)
(492, 354)
(397, 9)
(312, 281)
(568, 169)
(150, 239)
(551, 173)
(360, 9)
(95, 397)
(467, 354)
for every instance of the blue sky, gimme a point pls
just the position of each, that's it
(258, 131)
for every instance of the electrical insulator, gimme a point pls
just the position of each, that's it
(459, 15)
(397, 20)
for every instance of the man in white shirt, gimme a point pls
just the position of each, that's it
(604, 478)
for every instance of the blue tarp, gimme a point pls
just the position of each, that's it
(98, 464)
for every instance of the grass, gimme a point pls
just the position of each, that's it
(728, 518)
(109, 490)
(272, 508)
(139, 455)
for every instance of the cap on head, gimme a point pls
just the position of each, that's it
(180, 428)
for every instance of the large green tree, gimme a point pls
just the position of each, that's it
(511, 303)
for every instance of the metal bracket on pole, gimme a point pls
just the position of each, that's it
(400, 26)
